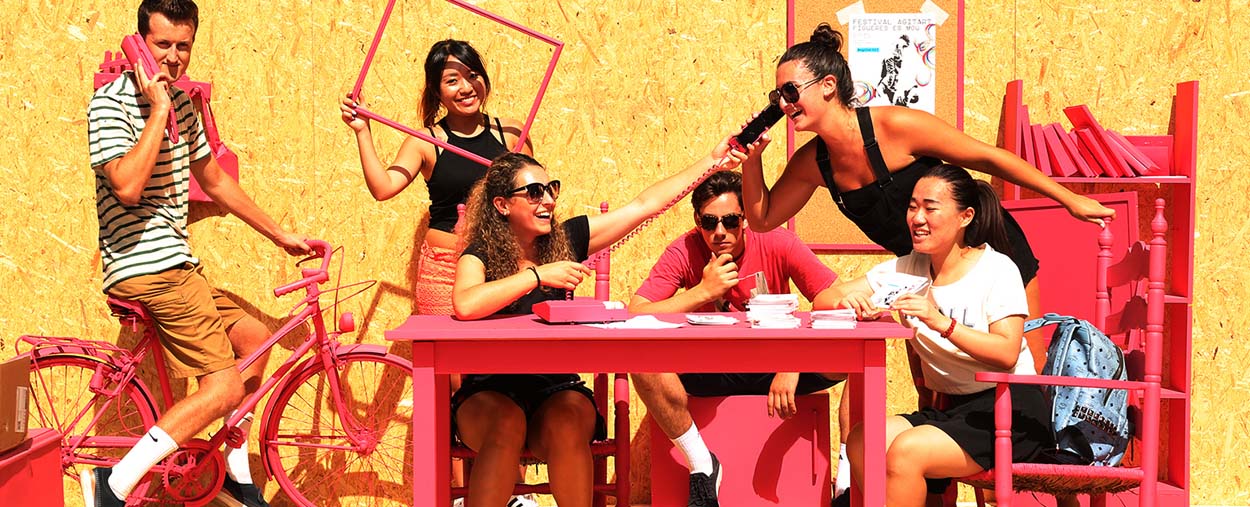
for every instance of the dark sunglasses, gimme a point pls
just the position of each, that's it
(731, 221)
(534, 191)
(789, 91)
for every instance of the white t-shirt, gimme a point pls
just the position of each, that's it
(990, 291)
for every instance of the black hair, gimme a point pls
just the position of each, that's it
(177, 11)
(988, 223)
(822, 55)
(720, 182)
(435, 62)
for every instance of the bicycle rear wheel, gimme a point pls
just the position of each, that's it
(317, 461)
(61, 398)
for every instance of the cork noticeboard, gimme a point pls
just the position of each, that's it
(819, 223)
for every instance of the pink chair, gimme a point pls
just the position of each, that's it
(615, 448)
(1129, 308)
(769, 461)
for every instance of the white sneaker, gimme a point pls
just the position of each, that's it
(523, 501)
(459, 502)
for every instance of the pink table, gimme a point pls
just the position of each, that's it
(442, 345)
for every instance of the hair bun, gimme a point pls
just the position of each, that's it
(825, 35)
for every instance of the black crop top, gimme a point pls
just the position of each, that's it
(577, 230)
(879, 208)
(453, 175)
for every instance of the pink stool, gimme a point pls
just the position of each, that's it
(766, 461)
(30, 474)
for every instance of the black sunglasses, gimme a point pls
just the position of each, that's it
(534, 191)
(789, 91)
(731, 221)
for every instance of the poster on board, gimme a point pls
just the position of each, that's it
(892, 59)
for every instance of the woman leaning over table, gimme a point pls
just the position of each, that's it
(870, 158)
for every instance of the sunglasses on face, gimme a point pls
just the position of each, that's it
(534, 191)
(789, 91)
(731, 221)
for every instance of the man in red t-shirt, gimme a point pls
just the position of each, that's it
(708, 262)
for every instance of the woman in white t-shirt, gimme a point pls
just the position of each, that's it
(970, 319)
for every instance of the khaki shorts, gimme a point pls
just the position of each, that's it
(191, 318)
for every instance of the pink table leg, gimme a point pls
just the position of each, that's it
(431, 463)
(873, 400)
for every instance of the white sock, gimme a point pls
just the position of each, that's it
(153, 447)
(698, 458)
(843, 481)
(237, 466)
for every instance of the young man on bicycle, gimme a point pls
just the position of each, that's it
(142, 179)
(713, 285)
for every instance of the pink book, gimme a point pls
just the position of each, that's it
(1086, 156)
(1038, 138)
(1068, 140)
(1135, 167)
(1061, 163)
(1090, 142)
(1011, 114)
(1082, 118)
(1026, 137)
(1147, 167)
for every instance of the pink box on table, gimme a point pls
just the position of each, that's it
(765, 461)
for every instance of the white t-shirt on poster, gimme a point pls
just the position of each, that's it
(990, 291)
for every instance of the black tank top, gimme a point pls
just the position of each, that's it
(453, 175)
(879, 208)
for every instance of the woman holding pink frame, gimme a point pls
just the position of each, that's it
(455, 82)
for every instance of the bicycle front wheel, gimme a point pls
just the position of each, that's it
(357, 453)
(61, 398)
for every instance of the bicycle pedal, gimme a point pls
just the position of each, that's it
(235, 438)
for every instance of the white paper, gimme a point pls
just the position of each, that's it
(844, 15)
(638, 322)
(893, 59)
(939, 15)
(893, 285)
(706, 319)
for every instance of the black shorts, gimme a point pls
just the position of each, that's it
(969, 421)
(528, 392)
(733, 384)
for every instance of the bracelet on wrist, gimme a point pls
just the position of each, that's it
(537, 278)
(950, 329)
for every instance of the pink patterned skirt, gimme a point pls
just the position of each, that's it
(435, 277)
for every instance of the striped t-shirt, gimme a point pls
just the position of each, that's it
(151, 236)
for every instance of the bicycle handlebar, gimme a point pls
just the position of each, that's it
(320, 249)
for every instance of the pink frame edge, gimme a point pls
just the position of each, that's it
(529, 120)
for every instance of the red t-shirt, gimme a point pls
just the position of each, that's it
(780, 254)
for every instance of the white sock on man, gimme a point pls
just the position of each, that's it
(698, 458)
(152, 447)
(237, 466)
(843, 480)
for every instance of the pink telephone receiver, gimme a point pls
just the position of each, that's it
(137, 52)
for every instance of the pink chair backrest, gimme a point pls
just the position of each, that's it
(1129, 297)
(1067, 249)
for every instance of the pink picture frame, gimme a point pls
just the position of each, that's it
(529, 119)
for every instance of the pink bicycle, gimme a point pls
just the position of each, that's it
(335, 430)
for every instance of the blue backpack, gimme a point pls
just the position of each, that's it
(1091, 425)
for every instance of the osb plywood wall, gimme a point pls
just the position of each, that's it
(642, 88)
